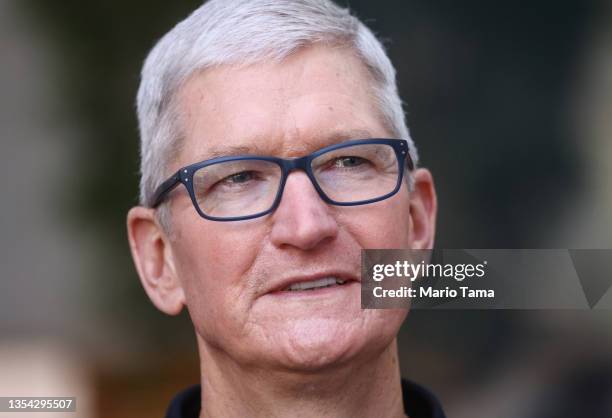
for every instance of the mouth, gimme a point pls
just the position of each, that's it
(311, 285)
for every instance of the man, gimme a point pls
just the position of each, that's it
(274, 149)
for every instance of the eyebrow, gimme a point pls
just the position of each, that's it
(314, 143)
(230, 151)
(341, 136)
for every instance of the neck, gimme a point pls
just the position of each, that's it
(372, 388)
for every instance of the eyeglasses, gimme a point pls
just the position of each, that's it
(350, 173)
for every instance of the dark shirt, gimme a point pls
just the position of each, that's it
(418, 402)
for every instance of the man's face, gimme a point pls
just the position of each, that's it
(233, 273)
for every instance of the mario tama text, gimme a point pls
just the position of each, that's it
(431, 292)
(407, 270)
(421, 279)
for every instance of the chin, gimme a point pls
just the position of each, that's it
(311, 345)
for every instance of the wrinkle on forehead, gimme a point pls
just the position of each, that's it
(297, 148)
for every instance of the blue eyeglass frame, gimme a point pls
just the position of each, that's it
(185, 175)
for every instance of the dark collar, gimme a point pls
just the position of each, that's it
(418, 402)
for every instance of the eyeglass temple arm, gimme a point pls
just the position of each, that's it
(163, 189)
(409, 162)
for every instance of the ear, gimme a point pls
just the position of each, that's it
(153, 259)
(423, 210)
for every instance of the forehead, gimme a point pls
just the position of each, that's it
(317, 96)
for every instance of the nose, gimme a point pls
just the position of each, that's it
(302, 220)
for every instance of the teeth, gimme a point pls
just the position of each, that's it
(315, 284)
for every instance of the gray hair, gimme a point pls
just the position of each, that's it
(244, 32)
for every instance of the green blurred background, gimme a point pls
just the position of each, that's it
(509, 102)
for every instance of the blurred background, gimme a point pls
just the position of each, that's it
(509, 102)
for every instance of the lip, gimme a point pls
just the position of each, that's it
(284, 283)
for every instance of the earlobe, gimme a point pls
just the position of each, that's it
(153, 259)
(423, 210)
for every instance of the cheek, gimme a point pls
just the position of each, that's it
(211, 262)
(383, 224)
(217, 251)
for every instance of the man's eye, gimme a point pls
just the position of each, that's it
(241, 177)
(347, 162)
